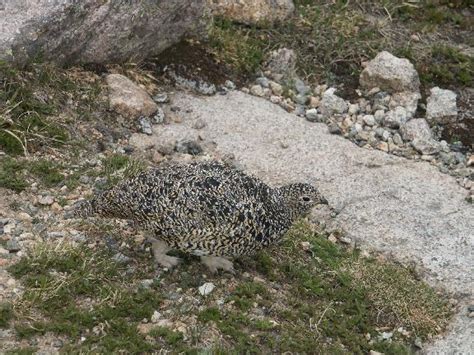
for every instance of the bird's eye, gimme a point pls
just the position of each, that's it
(306, 199)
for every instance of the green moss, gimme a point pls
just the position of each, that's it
(115, 162)
(262, 324)
(47, 171)
(11, 176)
(6, 314)
(237, 46)
(31, 103)
(246, 294)
(171, 337)
(447, 66)
(22, 351)
(54, 278)
(209, 314)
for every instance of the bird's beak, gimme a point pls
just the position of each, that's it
(323, 201)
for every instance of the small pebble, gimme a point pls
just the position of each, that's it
(145, 126)
(333, 128)
(188, 147)
(229, 85)
(13, 246)
(312, 115)
(257, 90)
(313, 102)
(120, 258)
(345, 240)
(206, 288)
(276, 88)
(161, 98)
(306, 246)
(199, 124)
(46, 200)
(263, 82)
(159, 116)
(156, 316)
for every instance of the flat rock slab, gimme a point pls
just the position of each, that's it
(405, 208)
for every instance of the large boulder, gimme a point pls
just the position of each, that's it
(68, 31)
(390, 74)
(252, 11)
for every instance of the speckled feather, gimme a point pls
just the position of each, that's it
(205, 208)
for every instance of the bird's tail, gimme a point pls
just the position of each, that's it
(81, 209)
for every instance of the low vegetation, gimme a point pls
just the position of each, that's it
(333, 38)
(34, 105)
(319, 298)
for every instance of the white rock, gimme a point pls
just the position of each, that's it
(156, 316)
(397, 139)
(276, 88)
(257, 90)
(128, 99)
(206, 288)
(406, 99)
(312, 115)
(390, 74)
(416, 128)
(331, 104)
(229, 85)
(23, 216)
(46, 200)
(358, 127)
(369, 120)
(397, 117)
(426, 146)
(275, 99)
(306, 246)
(441, 103)
(353, 109)
(379, 115)
(8, 228)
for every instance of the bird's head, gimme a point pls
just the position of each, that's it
(300, 198)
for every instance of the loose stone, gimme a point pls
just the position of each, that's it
(257, 90)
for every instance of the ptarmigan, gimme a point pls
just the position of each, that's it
(209, 209)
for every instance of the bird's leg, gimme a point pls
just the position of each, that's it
(160, 248)
(216, 262)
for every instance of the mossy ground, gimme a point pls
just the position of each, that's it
(40, 104)
(324, 299)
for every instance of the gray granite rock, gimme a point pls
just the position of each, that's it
(440, 104)
(67, 31)
(390, 74)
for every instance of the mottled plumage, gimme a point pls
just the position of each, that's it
(205, 208)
